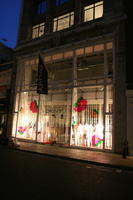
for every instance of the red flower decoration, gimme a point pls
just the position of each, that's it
(81, 105)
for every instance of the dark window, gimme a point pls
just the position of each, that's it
(59, 2)
(41, 7)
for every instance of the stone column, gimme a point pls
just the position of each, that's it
(129, 94)
(119, 136)
(49, 16)
(78, 17)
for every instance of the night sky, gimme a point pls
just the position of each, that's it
(9, 19)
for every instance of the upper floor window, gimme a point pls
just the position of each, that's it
(93, 11)
(59, 2)
(64, 21)
(41, 7)
(38, 30)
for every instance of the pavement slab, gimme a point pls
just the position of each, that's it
(84, 155)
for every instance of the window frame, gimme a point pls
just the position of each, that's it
(58, 19)
(36, 30)
(92, 8)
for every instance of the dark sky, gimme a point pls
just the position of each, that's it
(9, 19)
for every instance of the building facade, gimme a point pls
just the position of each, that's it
(82, 44)
(6, 68)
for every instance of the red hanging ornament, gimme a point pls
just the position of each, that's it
(80, 105)
(34, 106)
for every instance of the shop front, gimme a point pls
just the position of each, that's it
(78, 109)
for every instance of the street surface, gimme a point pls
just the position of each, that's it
(38, 177)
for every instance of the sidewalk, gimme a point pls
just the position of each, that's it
(88, 156)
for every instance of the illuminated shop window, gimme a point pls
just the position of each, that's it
(59, 2)
(54, 117)
(38, 30)
(63, 22)
(93, 11)
(27, 115)
(87, 117)
(78, 109)
(41, 7)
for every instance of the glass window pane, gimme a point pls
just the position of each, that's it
(88, 15)
(55, 25)
(57, 56)
(35, 33)
(99, 47)
(42, 7)
(41, 30)
(79, 51)
(14, 125)
(109, 99)
(64, 21)
(17, 102)
(54, 117)
(87, 117)
(98, 11)
(90, 67)
(26, 127)
(68, 54)
(109, 45)
(30, 76)
(38, 30)
(110, 65)
(72, 19)
(108, 132)
(60, 74)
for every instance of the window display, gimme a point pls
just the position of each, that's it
(78, 109)
(87, 117)
(27, 115)
(54, 117)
